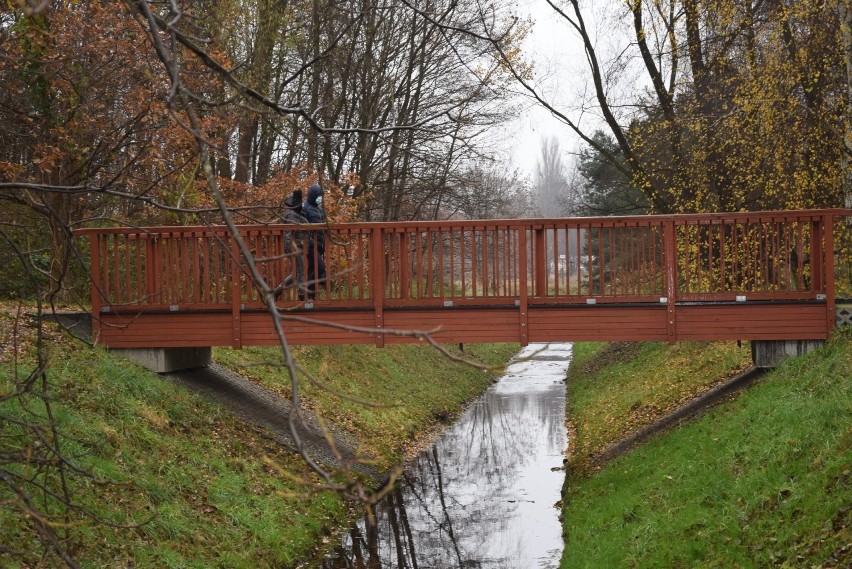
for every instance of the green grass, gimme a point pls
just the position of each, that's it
(763, 480)
(180, 482)
(615, 390)
(188, 472)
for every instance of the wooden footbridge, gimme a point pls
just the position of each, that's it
(745, 276)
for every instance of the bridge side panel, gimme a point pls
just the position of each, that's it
(456, 325)
(775, 321)
(258, 330)
(600, 323)
(167, 330)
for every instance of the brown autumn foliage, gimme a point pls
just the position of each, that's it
(263, 203)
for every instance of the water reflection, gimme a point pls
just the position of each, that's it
(484, 494)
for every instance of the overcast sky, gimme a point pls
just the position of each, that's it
(552, 51)
(559, 64)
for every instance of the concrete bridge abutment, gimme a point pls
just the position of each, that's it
(165, 360)
(770, 353)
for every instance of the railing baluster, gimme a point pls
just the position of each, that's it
(95, 242)
(402, 264)
(116, 272)
(440, 268)
(417, 270)
(670, 256)
(601, 262)
(502, 258)
(539, 262)
(474, 266)
(451, 253)
(128, 277)
(216, 251)
(579, 253)
(463, 261)
(204, 281)
(828, 230)
(816, 256)
(362, 275)
(139, 287)
(236, 292)
(523, 273)
(377, 280)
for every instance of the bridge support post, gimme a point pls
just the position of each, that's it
(540, 261)
(670, 255)
(770, 353)
(377, 281)
(165, 360)
(523, 288)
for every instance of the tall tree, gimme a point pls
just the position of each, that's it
(551, 181)
(356, 65)
(846, 159)
(605, 189)
(487, 191)
(743, 105)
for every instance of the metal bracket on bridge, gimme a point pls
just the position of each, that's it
(448, 303)
(741, 298)
(591, 301)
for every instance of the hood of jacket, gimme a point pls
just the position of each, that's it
(314, 192)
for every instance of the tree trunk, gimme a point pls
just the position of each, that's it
(846, 156)
(245, 142)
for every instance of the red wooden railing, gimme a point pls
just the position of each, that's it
(669, 260)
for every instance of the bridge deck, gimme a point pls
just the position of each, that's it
(767, 275)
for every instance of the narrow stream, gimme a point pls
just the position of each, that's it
(484, 495)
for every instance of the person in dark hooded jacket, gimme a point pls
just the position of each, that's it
(312, 210)
(294, 244)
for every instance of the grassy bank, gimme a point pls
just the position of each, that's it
(408, 389)
(615, 389)
(171, 480)
(762, 480)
